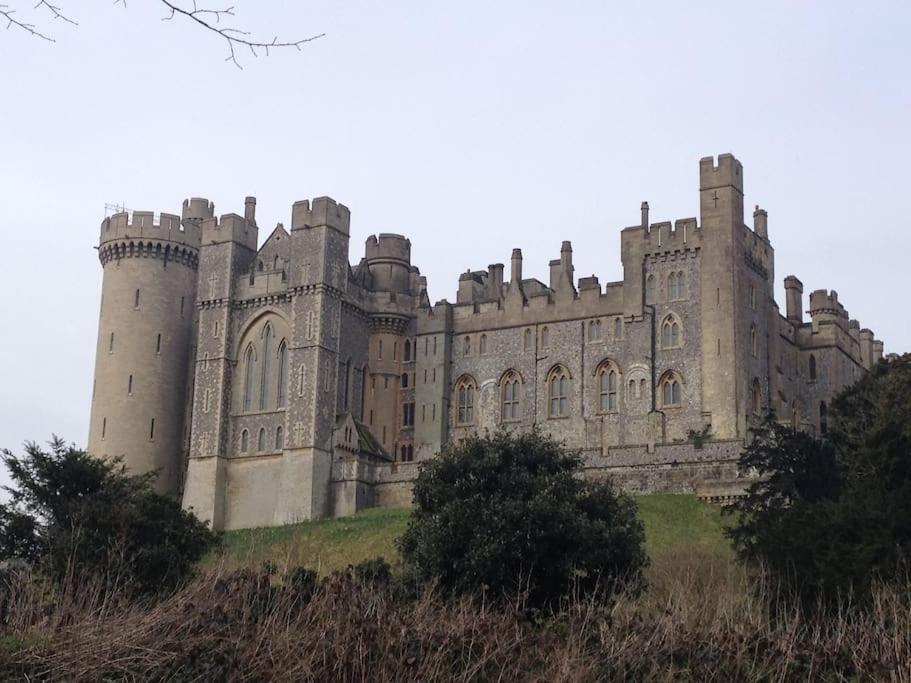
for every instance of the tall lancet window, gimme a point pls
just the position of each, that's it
(248, 378)
(264, 376)
(282, 374)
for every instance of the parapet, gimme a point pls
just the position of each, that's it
(322, 211)
(143, 226)
(728, 172)
(198, 208)
(230, 228)
(388, 246)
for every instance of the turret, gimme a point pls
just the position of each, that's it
(145, 334)
(793, 289)
(389, 261)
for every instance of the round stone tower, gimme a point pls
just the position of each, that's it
(145, 338)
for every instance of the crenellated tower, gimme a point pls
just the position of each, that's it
(146, 330)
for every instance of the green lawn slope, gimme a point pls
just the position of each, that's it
(674, 525)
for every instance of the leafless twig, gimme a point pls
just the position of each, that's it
(208, 18)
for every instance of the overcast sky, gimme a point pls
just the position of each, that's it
(470, 127)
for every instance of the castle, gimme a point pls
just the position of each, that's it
(274, 384)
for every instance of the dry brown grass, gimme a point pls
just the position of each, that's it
(700, 620)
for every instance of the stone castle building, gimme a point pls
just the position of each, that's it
(277, 383)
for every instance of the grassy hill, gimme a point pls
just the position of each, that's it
(675, 525)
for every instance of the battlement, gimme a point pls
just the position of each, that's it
(230, 228)
(823, 302)
(664, 236)
(197, 208)
(143, 225)
(728, 172)
(388, 246)
(322, 211)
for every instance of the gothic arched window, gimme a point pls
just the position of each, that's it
(482, 345)
(618, 328)
(558, 392)
(244, 441)
(754, 342)
(465, 392)
(407, 350)
(812, 366)
(510, 389)
(404, 380)
(264, 375)
(249, 361)
(282, 374)
(608, 380)
(545, 337)
(670, 333)
(670, 392)
(756, 397)
(279, 438)
(466, 346)
(261, 439)
(526, 343)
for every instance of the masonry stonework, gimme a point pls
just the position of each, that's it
(286, 384)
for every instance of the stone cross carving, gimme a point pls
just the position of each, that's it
(213, 284)
(298, 433)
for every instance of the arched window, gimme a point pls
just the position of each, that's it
(244, 441)
(404, 380)
(812, 366)
(279, 438)
(756, 397)
(650, 289)
(608, 380)
(545, 337)
(795, 415)
(407, 350)
(670, 390)
(754, 342)
(509, 396)
(618, 328)
(482, 345)
(823, 417)
(261, 440)
(670, 333)
(267, 360)
(558, 392)
(753, 297)
(465, 393)
(631, 390)
(672, 294)
(526, 343)
(466, 346)
(282, 374)
(249, 361)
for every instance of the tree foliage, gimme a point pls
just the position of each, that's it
(510, 514)
(829, 517)
(81, 518)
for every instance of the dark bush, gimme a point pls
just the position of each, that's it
(829, 517)
(508, 515)
(80, 518)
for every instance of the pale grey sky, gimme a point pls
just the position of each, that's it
(472, 128)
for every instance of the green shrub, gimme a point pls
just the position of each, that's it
(509, 515)
(80, 518)
(830, 517)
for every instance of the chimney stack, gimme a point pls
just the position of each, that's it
(644, 210)
(250, 209)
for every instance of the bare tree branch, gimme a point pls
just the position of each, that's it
(206, 17)
(232, 36)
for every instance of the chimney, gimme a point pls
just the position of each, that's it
(566, 259)
(250, 209)
(516, 267)
(793, 289)
(761, 223)
(644, 210)
(495, 280)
